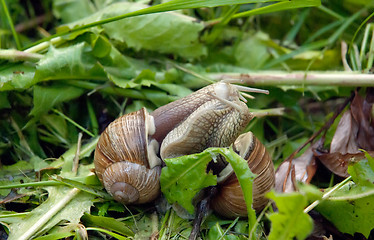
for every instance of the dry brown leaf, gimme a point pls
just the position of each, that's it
(337, 162)
(344, 140)
(355, 131)
(361, 110)
(302, 169)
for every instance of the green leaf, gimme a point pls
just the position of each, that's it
(166, 32)
(63, 203)
(184, 177)
(16, 77)
(351, 208)
(67, 10)
(14, 174)
(47, 97)
(252, 53)
(290, 221)
(73, 62)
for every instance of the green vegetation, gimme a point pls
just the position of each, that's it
(69, 68)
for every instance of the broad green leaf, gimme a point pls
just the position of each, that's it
(67, 10)
(350, 213)
(73, 62)
(165, 32)
(63, 203)
(351, 208)
(47, 97)
(184, 177)
(15, 173)
(252, 53)
(290, 222)
(17, 77)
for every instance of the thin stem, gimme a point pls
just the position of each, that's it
(94, 122)
(10, 21)
(31, 184)
(74, 123)
(326, 195)
(77, 154)
(44, 45)
(49, 214)
(276, 78)
(15, 55)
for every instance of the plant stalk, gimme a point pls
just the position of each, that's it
(275, 78)
(326, 195)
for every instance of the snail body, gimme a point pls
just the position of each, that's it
(213, 116)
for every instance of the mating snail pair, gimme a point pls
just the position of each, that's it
(127, 156)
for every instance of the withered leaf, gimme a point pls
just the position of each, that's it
(344, 140)
(355, 131)
(337, 162)
(302, 169)
(361, 110)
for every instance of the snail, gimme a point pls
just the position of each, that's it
(213, 116)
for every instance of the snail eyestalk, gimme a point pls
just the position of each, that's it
(227, 102)
(249, 89)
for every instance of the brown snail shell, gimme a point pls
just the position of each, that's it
(229, 201)
(125, 159)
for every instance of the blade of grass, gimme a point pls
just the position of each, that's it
(115, 235)
(94, 122)
(364, 41)
(359, 29)
(371, 55)
(10, 21)
(281, 6)
(348, 21)
(316, 45)
(323, 30)
(290, 37)
(73, 122)
(218, 28)
(229, 228)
